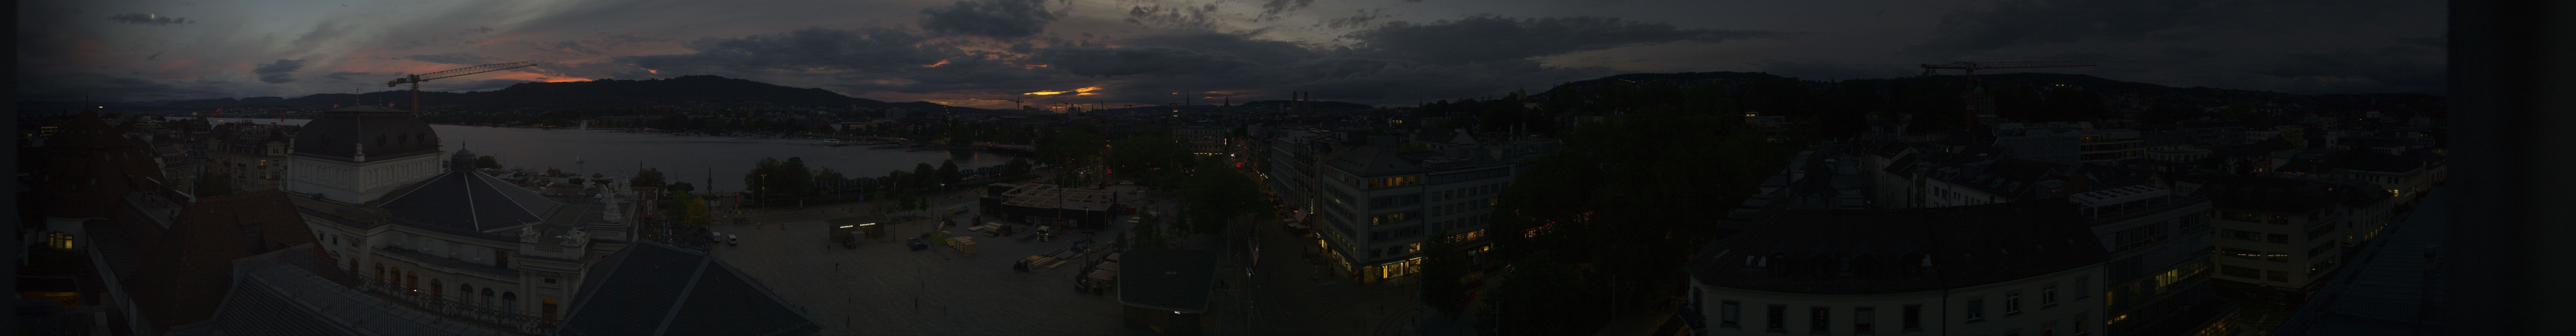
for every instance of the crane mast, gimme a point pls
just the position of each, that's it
(1971, 69)
(415, 79)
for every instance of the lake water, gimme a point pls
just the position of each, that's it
(680, 158)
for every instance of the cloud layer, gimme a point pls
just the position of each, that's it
(280, 72)
(985, 52)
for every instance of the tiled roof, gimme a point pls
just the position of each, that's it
(253, 309)
(653, 289)
(182, 279)
(337, 134)
(1871, 251)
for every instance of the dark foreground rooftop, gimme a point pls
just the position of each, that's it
(654, 289)
(1166, 278)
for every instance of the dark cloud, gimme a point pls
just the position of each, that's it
(148, 19)
(1271, 10)
(2017, 23)
(1182, 16)
(472, 85)
(1356, 20)
(281, 71)
(597, 44)
(575, 46)
(999, 19)
(453, 58)
(1491, 38)
(346, 75)
(155, 56)
(2395, 68)
(872, 49)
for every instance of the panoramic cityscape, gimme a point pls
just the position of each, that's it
(1255, 167)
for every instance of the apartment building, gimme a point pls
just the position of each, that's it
(1380, 204)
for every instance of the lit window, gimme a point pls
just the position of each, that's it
(60, 241)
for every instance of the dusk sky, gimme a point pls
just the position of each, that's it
(981, 53)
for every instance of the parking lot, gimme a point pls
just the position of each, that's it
(884, 287)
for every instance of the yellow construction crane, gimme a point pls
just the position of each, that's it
(415, 79)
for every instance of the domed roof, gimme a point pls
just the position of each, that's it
(386, 133)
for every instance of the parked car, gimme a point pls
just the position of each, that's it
(733, 240)
(916, 243)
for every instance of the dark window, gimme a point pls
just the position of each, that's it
(1976, 310)
(1778, 319)
(1864, 320)
(2048, 296)
(1730, 314)
(1820, 319)
(2012, 304)
(2276, 238)
(1913, 318)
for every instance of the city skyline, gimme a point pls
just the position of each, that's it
(983, 53)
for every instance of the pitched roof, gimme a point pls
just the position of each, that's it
(470, 201)
(185, 277)
(253, 309)
(1166, 278)
(654, 289)
(386, 132)
(1870, 251)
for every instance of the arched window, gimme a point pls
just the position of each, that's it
(380, 141)
(510, 301)
(353, 264)
(437, 289)
(549, 308)
(411, 281)
(464, 293)
(487, 298)
(380, 271)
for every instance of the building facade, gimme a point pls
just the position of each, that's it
(249, 157)
(1996, 269)
(1379, 207)
(441, 235)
